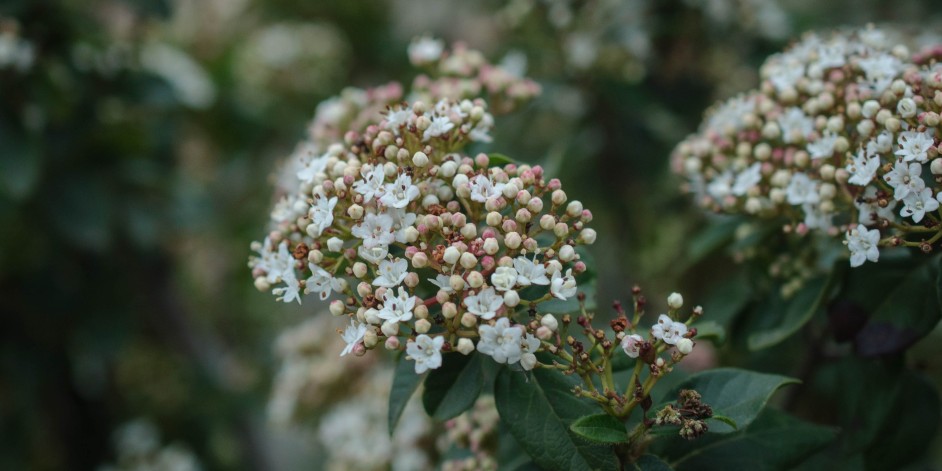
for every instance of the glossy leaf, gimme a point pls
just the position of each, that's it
(538, 408)
(736, 394)
(600, 428)
(453, 388)
(405, 382)
(798, 310)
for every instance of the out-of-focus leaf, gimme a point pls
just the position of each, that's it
(797, 312)
(711, 239)
(453, 388)
(727, 299)
(405, 382)
(499, 160)
(650, 463)
(20, 164)
(600, 428)
(711, 330)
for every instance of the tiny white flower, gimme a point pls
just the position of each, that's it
(397, 308)
(563, 287)
(823, 147)
(795, 124)
(400, 193)
(372, 183)
(311, 166)
(500, 341)
(482, 188)
(440, 125)
(914, 146)
(631, 344)
(484, 304)
(801, 190)
(321, 282)
(322, 214)
(425, 50)
(747, 179)
(918, 203)
(905, 179)
(291, 291)
(504, 278)
(721, 186)
(391, 273)
(373, 255)
(684, 346)
(668, 330)
(444, 283)
(353, 335)
(528, 347)
(397, 118)
(869, 211)
(880, 69)
(863, 245)
(375, 230)
(426, 351)
(529, 272)
(863, 167)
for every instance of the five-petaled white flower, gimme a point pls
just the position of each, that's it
(400, 193)
(914, 146)
(426, 351)
(563, 286)
(631, 344)
(529, 272)
(863, 245)
(440, 125)
(322, 214)
(482, 188)
(375, 230)
(353, 335)
(311, 165)
(528, 347)
(484, 304)
(823, 147)
(863, 167)
(905, 179)
(444, 283)
(668, 330)
(869, 209)
(397, 308)
(504, 278)
(801, 190)
(372, 183)
(918, 203)
(747, 179)
(795, 124)
(500, 341)
(391, 273)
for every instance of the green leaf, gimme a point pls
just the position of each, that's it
(600, 428)
(798, 310)
(725, 420)
(774, 441)
(709, 240)
(405, 382)
(499, 160)
(650, 463)
(895, 295)
(538, 407)
(736, 394)
(728, 298)
(453, 388)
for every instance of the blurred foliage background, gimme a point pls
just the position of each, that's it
(137, 139)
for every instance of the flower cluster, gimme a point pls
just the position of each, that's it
(16, 53)
(477, 430)
(137, 447)
(841, 138)
(689, 413)
(426, 247)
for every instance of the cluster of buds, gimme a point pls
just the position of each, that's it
(666, 343)
(689, 413)
(426, 247)
(841, 139)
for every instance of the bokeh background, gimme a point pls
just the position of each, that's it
(137, 143)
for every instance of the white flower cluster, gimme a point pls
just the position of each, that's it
(15, 52)
(842, 138)
(423, 244)
(666, 330)
(137, 448)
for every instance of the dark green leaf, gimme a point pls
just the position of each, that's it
(405, 382)
(600, 428)
(737, 394)
(724, 419)
(650, 463)
(711, 330)
(453, 388)
(538, 407)
(774, 441)
(499, 160)
(727, 299)
(709, 240)
(797, 312)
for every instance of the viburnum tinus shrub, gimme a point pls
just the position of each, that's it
(473, 267)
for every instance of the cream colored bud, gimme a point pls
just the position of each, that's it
(420, 311)
(870, 109)
(468, 260)
(451, 255)
(364, 289)
(547, 222)
(420, 159)
(355, 211)
(390, 328)
(419, 260)
(827, 191)
(465, 346)
(475, 279)
(567, 253)
(336, 308)
(753, 205)
(262, 284)
(907, 108)
(392, 343)
(370, 339)
(422, 326)
(588, 236)
(411, 280)
(511, 298)
(574, 209)
(449, 310)
(371, 316)
(359, 269)
(390, 169)
(559, 197)
(827, 172)
(763, 151)
(523, 215)
(549, 321)
(512, 240)
(685, 346)
(315, 256)
(493, 219)
(491, 246)
(535, 205)
(936, 166)
(561, 230)
(456, 283)
(675, 301)
(771, 130)
(469, 231)
(543, 333)
(448, 169)
(510, 190)
(469, 320)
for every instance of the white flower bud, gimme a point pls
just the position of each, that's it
(469, 231)
(334, 244)
(588, 236)
(559, 197)
(459, 181)
(336, 307)
(449, 310)
(371, 316)
(355, 211)
(456, 283)
(448, 169)
(511, 298)
(675, 301)
(392, 343)
(451, 255)
(535, 205)
(469, 320)
(684, 346)
(870, 109)
(553, 266)
(547, 222)
(359, 269)
(936, 166)
(262, 284)
(419, 260)
(420, 159)
(567, 253)
(512, 240)
(544, 333)
(574, 209)
(465, 346)
(468, 260)
(510, 191)
(561, 230)
(549, 321)
(390, 328)
(421, 311)
(422, 326)
(493, 219)
(370, 338)
(475, 279)
(491, 246)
